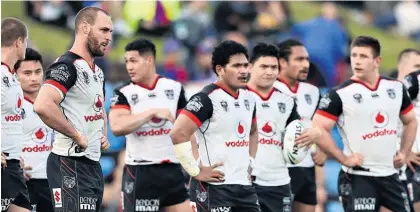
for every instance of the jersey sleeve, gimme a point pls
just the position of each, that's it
(62, 76)
(199, 108)
(254, 114)
(293, 115)
(182, 101)
(119, 101)
(406, 105)
(330, 105)
(411, 82)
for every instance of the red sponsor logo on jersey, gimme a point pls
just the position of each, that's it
(271, 142)
(154, 132)
(95, 117)
(37, 148)
(16, 117)
(379, 133)
(242, 143)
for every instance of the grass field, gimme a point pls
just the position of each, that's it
(53, 41)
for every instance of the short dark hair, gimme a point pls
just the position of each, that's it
(11, 30)
(30, 55)
(408, 51)
(285, 48)
(222, 53)
(89, 15)
(264, 50)
(143, 46)
(367, 41)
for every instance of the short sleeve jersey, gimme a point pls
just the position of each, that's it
(274, 112)
(411, 82)
(367, 120)
(307, 97)
(224, 122)
(82, 91)
(150, 143)
(37, 138)
(12, 113)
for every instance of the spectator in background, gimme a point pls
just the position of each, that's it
(172, 66)
(273, 16)
(234, 16)
(325, 39)
(203, 71)
(151, 17)
(236, 36)
(58, 13)
(407, 15)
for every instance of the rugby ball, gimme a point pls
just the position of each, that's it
(292, 154)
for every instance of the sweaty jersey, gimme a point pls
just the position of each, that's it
(274, 112)
(367, 120)
(12, 113)
(307, 97)
(37, 138)
(411, 81)
(150, 143)
(82, 91)
(224, 120)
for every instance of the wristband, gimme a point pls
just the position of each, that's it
(183, 152)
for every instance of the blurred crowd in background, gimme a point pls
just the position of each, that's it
(190, 30)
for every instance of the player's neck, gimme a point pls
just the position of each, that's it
(83, 52)
(262, 91)
(291, 83)
(401, 74)
(8, 57)
(30, 96)
(148, 80)
(225, 86)
(371, 80)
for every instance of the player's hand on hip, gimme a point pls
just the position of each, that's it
(104, 144)
(413, 159)
(81, 141)
(308, 137)
(319, 158)
(164, 114)
(3, 160)
(399, 160)
(210, 174)
(26, 172)
(356, 159)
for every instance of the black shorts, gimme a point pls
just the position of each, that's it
(274, 198)
(152, 187)
(303, 184)
(365, 193)
(406, 187)
(76, 183)
(40, 195)
(413, 184)
(13, 186)
(226, 198)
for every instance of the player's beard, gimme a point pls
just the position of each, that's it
(94, 47)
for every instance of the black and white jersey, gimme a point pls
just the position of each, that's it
(411, 82)
(150, 143)
(274, 113)
(367, 120)
(82, 90)
(12, 113)
(307, 97)
(37, 138)
(224, 120)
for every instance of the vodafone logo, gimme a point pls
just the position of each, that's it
(18, 105)
(379, 133)
(271, 142)
(156, 122)
(380, 119)
(95, 117)
(37, 148)
(268, 129)
(153, 132)
(40, 135)
(13, 118)
(241, 129)
(242, 143)
(98, 103)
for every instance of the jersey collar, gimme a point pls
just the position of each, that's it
(366, 85)
(8, 67)
(149, 87)
(260, 95)
(228, 91)
(288, 86)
